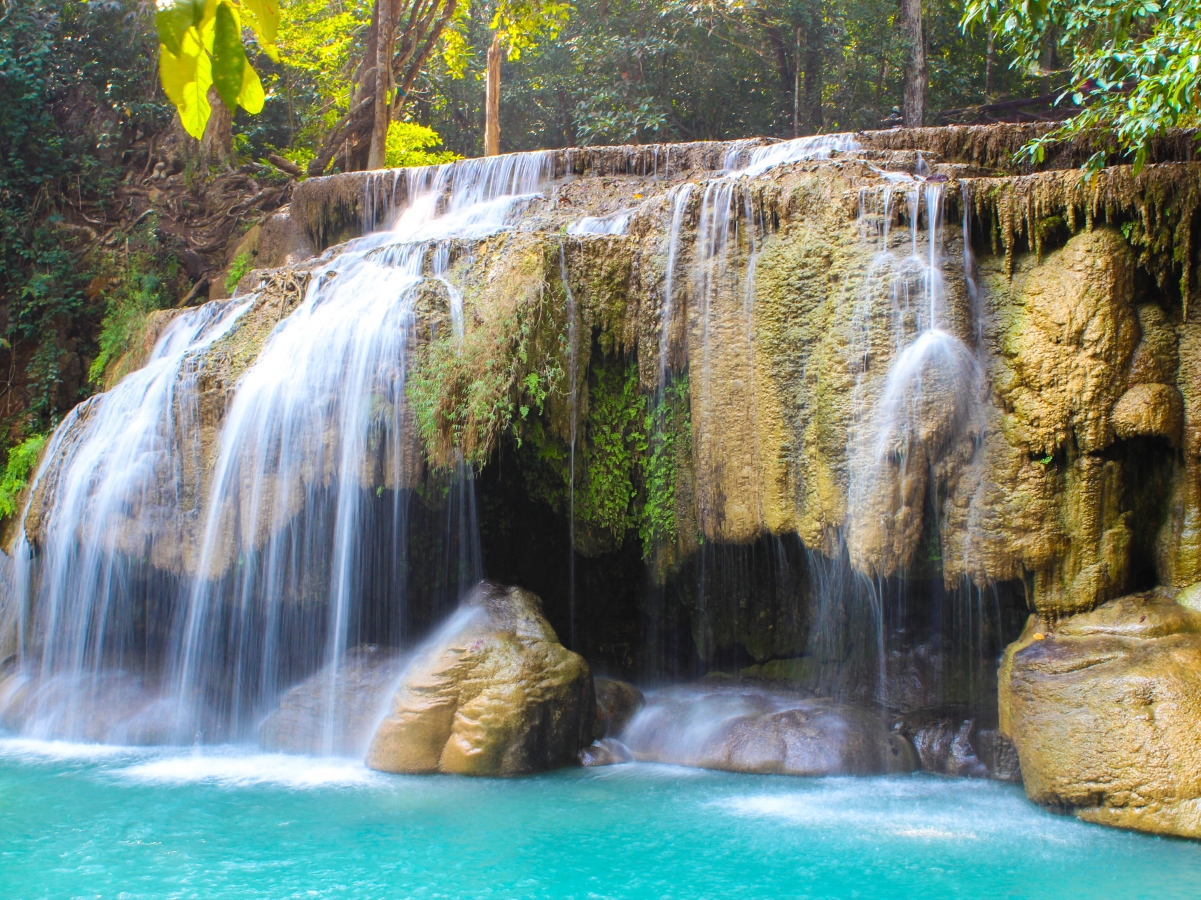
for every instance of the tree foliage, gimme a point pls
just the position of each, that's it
(626, 71)
(201, 47)
(410, 144)
(77, 91)
(1133, 65)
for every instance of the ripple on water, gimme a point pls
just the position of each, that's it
(83, 819)
(924, 808)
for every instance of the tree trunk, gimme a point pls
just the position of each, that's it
(814, 40)
(796, 86)
(492, 100)
(1049, 60)
(383, 83)
(913, 110)
(218, 141)
(988, 70)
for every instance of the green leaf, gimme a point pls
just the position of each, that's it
(172, 21)
(264, 19)
(229, 57)
(251, 98)
(194, 111)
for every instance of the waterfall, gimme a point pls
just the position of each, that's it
(729, 222)
(280, 522)
(174, 598)
(927, 397)
(614, 223)
(917, 397)
(118, 466)
(679, 204)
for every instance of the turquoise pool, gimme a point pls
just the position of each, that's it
(87, 821)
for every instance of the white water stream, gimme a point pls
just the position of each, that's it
(315, 431)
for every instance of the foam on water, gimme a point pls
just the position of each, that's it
(240, 768)
(924, 809)
(34, 750)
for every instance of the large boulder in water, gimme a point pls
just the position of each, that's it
(335, 713)
(1105, 712)
(750, 729)
(498, 696)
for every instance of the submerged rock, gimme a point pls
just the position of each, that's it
(499, 695)
(1105, 712)
(751, 729)
(945, 741)
(617, 702)
(304, 722)
(605, 752)
(1000, 756)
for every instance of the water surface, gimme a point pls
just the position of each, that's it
(95, 821)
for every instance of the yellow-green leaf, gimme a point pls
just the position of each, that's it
(264, 18)
(251, 97)
(229, 58)
(194, 111)
(175, 72)
(175, 19)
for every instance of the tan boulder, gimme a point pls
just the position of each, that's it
(1105, 713)
(1149, 410)
(499, 695)
(1069, 343)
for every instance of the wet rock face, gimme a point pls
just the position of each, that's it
(617, 702)
(496, 694)
(1105, 713)
(605, 752)
(950, 742)
(754, 730)
(305, 722)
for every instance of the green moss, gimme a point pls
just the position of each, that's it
(21, 461)
(241, 265)
(466, 392)
(627, 461)
(616, 444)
(139, 283)
(608, 457)
(669, 427)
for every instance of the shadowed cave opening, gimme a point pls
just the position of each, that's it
(772, 611)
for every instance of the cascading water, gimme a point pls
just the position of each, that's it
(301, 520)
(297, 531)
(118, 467)
(679, 206)
(908, 422)
(614, 223)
